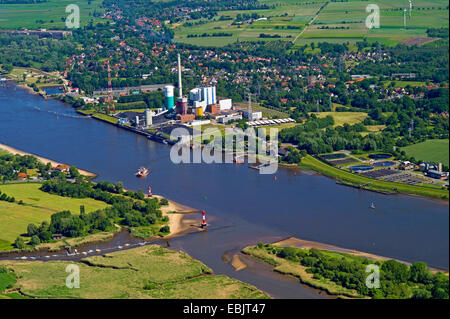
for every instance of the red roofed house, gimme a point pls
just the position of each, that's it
(22, 175)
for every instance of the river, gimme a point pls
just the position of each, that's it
(254, 207)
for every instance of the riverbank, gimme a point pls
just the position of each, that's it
(143, 272)
(178, 222)
(31, 205)
(296, 270)
(307, 244)
(371, 184)
(43, 159)
(341, 272)
(37, 206)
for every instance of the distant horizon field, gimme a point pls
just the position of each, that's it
(40, 15)
(430, 150)
(330, 25)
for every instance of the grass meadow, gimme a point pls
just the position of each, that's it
(145, 272)
(38, 207)
(430, 150)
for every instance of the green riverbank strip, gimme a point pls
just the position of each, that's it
(344, 275)
(364, 182)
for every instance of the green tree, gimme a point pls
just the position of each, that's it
(395, 271)
(32, 230)
(19, 243)
(73, 171)
(35, 240)
(421, 294)
(419, 272)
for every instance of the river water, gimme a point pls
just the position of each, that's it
(243, 207)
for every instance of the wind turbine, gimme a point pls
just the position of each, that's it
(410, 8)
(404, 18)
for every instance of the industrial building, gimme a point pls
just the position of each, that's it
(143, 119)
(130, 90)
(437, 174)
(202, 97)
(227, 117)
(251, 116)
(225, 104)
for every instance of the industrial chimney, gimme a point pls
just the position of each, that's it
(180, 86)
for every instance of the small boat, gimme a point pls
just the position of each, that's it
(372, 206)
(142, 172)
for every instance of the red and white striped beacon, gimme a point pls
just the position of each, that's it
(203, 219)
(149, 191)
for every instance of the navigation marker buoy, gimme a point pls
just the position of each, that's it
(203, 219)
(149, 191)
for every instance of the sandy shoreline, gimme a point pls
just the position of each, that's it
(43, 159)
(178, 222)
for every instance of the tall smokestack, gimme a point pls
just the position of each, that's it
(180, 86)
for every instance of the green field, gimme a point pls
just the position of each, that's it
(338, 22)
(38, 206)
(41, 15)
(431, 150)
(340, 118)
(287, 20)
(145, 272)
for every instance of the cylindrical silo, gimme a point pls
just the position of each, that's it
(170, 102)
(148, 117)
(182, 105)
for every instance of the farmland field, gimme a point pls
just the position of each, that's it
(302, 22)
(431, 150)
(38, 206)
(48, 15)
(145, 272)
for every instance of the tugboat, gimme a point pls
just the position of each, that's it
(142, 172)
(372, 206)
